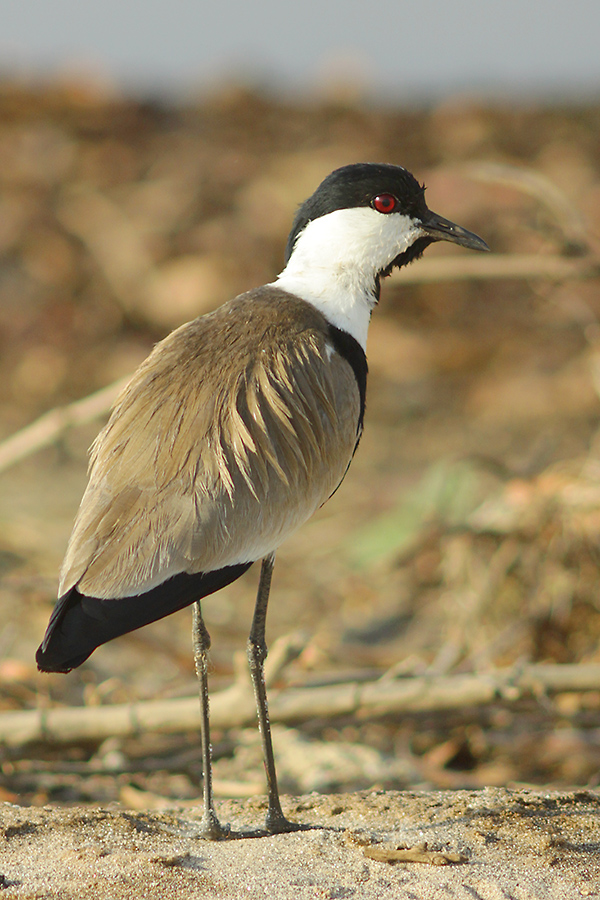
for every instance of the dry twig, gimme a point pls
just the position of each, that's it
(234, 707)
(50, 427)
(529, 181)
(493, 266)
(419, 853)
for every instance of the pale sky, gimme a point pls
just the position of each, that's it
(406, 50)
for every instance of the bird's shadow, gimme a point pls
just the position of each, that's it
(234, 834)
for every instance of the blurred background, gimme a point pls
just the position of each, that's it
(152, 156)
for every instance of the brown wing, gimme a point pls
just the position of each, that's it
(230, 435)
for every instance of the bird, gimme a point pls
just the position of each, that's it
(237, 427)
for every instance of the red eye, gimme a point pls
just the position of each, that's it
(384, 203)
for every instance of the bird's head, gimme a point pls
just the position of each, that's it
(361, 222)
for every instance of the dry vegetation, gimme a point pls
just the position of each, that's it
(466, 536)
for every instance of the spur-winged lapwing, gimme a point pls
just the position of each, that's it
(237, 427)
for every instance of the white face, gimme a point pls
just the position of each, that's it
(336, 259)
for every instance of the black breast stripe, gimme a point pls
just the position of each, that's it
(353, 353)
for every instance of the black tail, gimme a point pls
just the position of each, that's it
(79, 624)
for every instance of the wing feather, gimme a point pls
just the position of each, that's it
(232, 433)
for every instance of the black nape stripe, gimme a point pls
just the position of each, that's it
(353, 353)
(79, 623)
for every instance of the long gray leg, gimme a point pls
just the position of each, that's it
(211, 827)
(276, 822)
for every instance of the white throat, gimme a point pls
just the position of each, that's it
(336, 259)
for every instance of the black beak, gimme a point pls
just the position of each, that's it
(440, 229)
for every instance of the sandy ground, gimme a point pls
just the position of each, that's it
(513, 845)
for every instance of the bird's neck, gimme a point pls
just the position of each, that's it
(337, 260)
(345, 296)
(331, 268)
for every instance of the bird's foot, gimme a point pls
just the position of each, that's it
(212, 830)
(276, 822)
